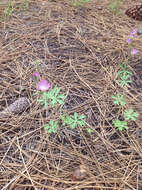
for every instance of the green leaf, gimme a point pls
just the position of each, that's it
(120, 125)
(123, 82)
(60, 101)
(52, 97)
(57, 91)
(65, 119)
(52, 126)
(82, 117)
(124, 72)
(53, 101)
(8, 11)
(119, 99)
(46, 105)
(130, 114)
(62, 96)
(73, 125)
(73, 120)
(89, 130)
(124, 75)
(81, 122)
(44, 99)
(79, 3)
(55, 97)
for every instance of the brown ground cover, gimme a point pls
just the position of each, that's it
(80, 50)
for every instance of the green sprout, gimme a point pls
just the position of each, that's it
(130, 114)
(44, 99)
(37, 65)
(52, 97)
(120, 125)
(79, 3)
(52, 126)
(124, 80)
(25, 5)
(8, 11)
(119, 99)
(74, 120)
(124, 75)
(89, 130)
(114, 6)
(55, 97)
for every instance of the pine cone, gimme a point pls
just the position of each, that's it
(135, 12)
(17, 107)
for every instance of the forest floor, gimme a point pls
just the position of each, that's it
(79, 49)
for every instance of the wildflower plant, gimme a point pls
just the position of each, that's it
(73, 120)
(120, 125)
(119, 99)
(124, 75)
(52, 126)
(130, 114)
(53, 97)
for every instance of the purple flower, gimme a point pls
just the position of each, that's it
(133, 33)
(36, 74)
(129, 40)
(43, 85)
(134, 51)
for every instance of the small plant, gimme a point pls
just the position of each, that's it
(79, 3)
(124, 75)
(8, 11)
(54, 97)
(74, 120)
(24, 5)
(11, 8)
(52, 126)
(37, 66)
(130, 114)
(89, 130)
(120, 125)
(119, 99)
(114, 6)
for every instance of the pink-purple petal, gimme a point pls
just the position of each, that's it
(134, 31)
(129, 40)
(134, 51)
(132, 34)
(43, 85)
(36, 74)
